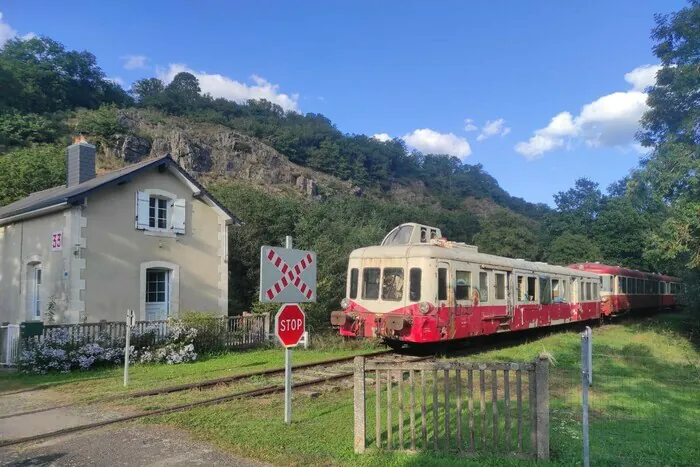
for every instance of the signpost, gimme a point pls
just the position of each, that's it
(130, 322)
(288, 276)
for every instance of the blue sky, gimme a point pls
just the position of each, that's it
(554, 79)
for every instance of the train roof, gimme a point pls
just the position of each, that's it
(620, 271)
(462, 252)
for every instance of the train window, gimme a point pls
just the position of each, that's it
(392, 284)
(595, 291)
(442, 284)
(415, 279)
(558, 291)
(545, 291)
(581, 295)
(588, 291)
(640, 286)
(606, 283)
(630, 285)
(370, 283)
(500, 286)
(400, 236)
(464, 285)
(423, 235)
(354, 274)
(622, 284)
(484, 286)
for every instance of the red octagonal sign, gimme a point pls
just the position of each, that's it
(290, 323)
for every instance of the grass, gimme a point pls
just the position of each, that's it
(644, 407)
(644, 404)
(99, 383)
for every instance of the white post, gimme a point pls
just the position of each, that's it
(129, 324)
(288, 367)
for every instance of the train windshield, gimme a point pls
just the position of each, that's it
(399, 236)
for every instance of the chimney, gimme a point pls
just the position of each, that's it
(80, 162)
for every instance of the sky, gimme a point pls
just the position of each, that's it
(540, 92)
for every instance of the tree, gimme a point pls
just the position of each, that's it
(670, 127)
(571, 248)
(505, 233)
(148, 92)
(32, 169)
(183, 93)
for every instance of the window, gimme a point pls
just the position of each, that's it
(370, 283)
(631, 285)
(36, 293)
(484, 286)
(545, 291)
(640, 286)
(558, 291)
(581, 294)
(500, 286)
(607, 283)
(464, 285)
(622, 284)
(354, 274)
(392, 284)
(442, 283)
(415, 278)
(663, 288)
(423, 235)
(532, 289)
(588, 291)
(156, 286)
(158, 213)
(399, 236)
(595, 291)
(522, 293)
(526, 289)
(648, 287)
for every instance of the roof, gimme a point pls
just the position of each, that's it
(620, 271)
(468, 253)
(61, 195)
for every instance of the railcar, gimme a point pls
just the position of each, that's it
(416, 287)
(628, 290)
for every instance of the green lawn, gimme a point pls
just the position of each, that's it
(99, 383)
(644, 407)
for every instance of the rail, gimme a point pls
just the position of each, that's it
(486, 434)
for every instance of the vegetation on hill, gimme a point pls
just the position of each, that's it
(648, 220)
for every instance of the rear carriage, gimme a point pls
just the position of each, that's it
(416, 287)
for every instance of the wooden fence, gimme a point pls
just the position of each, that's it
(462, 421)
(213, 334)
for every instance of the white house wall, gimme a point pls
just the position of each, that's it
(115, 251)
(30, 241)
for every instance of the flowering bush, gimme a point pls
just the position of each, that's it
(59, 352)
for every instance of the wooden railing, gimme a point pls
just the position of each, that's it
(491, 428)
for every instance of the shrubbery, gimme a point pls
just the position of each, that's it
(59, 352)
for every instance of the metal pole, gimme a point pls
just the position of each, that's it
(288, 368)
(585, 371)
(126, 356)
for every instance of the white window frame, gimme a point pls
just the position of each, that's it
(173, 287)
(37, 278)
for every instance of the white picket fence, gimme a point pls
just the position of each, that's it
(9, 344)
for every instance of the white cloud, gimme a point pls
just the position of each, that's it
(134, 62)
(469, 125)
(609, 121)
(222, 86)
(493, 128)
(7, 33)
(642, 77)
(431, 142)
(383, 137)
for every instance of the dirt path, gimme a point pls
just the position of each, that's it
(130, 444)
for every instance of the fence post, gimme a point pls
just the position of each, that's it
(542, 395)
(267, 327)
(360, 415)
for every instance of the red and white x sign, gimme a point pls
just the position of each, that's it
(292, 285)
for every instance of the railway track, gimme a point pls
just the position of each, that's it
(307, 375)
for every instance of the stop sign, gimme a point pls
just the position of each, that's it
(290, 323)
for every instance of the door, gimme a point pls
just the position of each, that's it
(157, 294)
(446, 296)
(35, 303)
(510, 287)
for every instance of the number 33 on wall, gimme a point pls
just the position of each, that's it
(56, 241)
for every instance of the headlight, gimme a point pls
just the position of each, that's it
(424, 307)
(345, 303)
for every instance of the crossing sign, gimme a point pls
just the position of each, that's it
(287, 275)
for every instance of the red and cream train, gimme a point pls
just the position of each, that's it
(417, 287)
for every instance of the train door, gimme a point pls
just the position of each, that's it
(510, 300)
(446, 296)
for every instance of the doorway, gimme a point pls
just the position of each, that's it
(157, 294)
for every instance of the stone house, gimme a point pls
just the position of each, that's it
(147, 237)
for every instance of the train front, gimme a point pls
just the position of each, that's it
(391, 289)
